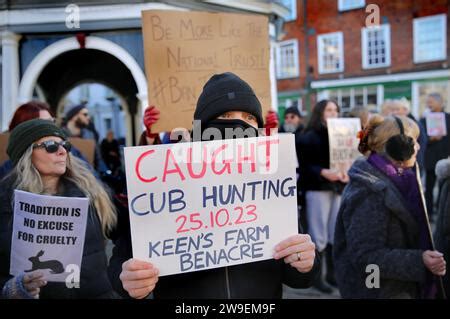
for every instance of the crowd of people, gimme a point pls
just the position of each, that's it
(373, 215)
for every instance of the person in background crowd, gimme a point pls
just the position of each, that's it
(402, 107)
(28, 111)
(388, 107)
(76, 124)
(293, 123)
(43, 165)
(437, 148)
(382, 221)
(263, 279)
(362, 113)
(110, 152)
(442, 232)
(321, 185)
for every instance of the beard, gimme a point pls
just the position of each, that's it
(80, 124)
(290, 128)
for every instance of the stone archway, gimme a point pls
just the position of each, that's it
(63, 64)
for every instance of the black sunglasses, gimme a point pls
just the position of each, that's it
(53, 146)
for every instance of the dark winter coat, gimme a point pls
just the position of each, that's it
(442, 232)
(375, 227)
(94, 282)
(437, 150)
(313, 153)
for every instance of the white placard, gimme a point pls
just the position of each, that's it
(343, 140)
(48, 234)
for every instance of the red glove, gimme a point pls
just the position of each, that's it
(271, 121)
(151, 116)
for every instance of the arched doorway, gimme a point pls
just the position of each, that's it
(63, 65)
(106, 108)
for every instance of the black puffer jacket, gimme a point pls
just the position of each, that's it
(254, 280)
(94, 282)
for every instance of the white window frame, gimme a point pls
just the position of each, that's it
(442, 19)
(386, 28)
(325, 94)
(279, 74)
(320, 51)
(343, 7)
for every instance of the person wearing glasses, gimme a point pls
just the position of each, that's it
(76, 124)
(43, 165)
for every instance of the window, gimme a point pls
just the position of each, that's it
(376, 46)
(344, 5)
(292, 6)
(330, 52)
(430, 40)
(348, 98)
(287, 59)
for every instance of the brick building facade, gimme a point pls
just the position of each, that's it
(328, 52)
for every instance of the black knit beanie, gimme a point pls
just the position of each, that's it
(293, 110)
(28, 132)
(224, 93)
(74, 111)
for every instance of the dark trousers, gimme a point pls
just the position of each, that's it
(430, 180)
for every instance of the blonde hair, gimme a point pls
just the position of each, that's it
(387, 108)
(380, 129)
(29, 179)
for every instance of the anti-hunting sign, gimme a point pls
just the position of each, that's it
(184, 49)
(48, 234)
(202, 205)
(343, 140)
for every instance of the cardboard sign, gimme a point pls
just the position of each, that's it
(436, 125)
(184, 49)
(343, 140)
(203, 205)
(48, 235)
(4, 137)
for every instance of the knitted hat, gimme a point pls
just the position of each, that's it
(293, 110)
(28, 132)
(74, 111)
(224, 93)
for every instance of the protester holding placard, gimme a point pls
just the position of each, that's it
(438, 147)
(322, 186)
(227, 102)
(383, 246)
(42, 165)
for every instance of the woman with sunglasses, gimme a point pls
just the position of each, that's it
(43, 165)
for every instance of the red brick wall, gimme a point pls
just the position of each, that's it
(323, 17)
